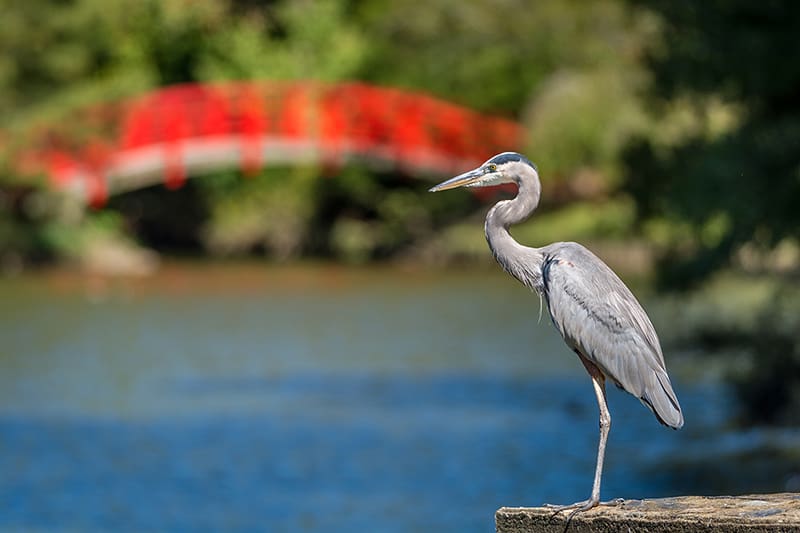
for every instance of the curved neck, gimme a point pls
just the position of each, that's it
(508, 212)
(522, 262)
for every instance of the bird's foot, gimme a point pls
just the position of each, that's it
(580, 507)
(577, 507)
(585, 505)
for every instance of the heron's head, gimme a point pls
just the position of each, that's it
(508, 167)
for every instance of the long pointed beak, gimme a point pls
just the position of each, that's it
(462, 180)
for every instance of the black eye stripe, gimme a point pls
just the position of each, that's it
(508, 157)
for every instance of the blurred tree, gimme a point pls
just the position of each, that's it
(491, 55)
(571, 70)
(55, 55)
(735, 184)
(757, 340)
(293, 39)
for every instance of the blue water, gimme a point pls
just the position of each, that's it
(316, 399)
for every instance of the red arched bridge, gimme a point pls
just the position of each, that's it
(184, 130)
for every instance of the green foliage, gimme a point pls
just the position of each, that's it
(70, 239)
(87, 51)
(571, 70)
(19, 238)
(299, 39)
(582, 119)
(753, 327)
(739, 184)
(363, 214)
(57, 55)
(580, 221)
(271, 211)
(729, 185)
(769, 387)
(492, 55)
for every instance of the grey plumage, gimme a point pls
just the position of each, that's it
(596, 314)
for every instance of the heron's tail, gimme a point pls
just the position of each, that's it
(660, 398)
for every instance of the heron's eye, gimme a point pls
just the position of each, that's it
(492, 167)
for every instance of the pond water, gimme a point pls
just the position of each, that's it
(253, 398)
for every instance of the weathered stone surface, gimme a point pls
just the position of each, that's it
(684, 514)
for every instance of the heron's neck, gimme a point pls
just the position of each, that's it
(522, 262)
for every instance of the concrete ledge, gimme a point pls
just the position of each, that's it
(684, 514)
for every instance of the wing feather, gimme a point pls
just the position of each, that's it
(599, 316)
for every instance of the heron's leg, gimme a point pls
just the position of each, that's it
(599, 384)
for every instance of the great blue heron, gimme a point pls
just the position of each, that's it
(596, 314)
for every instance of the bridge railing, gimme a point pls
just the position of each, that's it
(183, 130)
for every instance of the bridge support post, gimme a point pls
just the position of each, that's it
(683, 514)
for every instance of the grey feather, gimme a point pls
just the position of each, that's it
(598, 315)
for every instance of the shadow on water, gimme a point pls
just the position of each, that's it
(380, 402)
